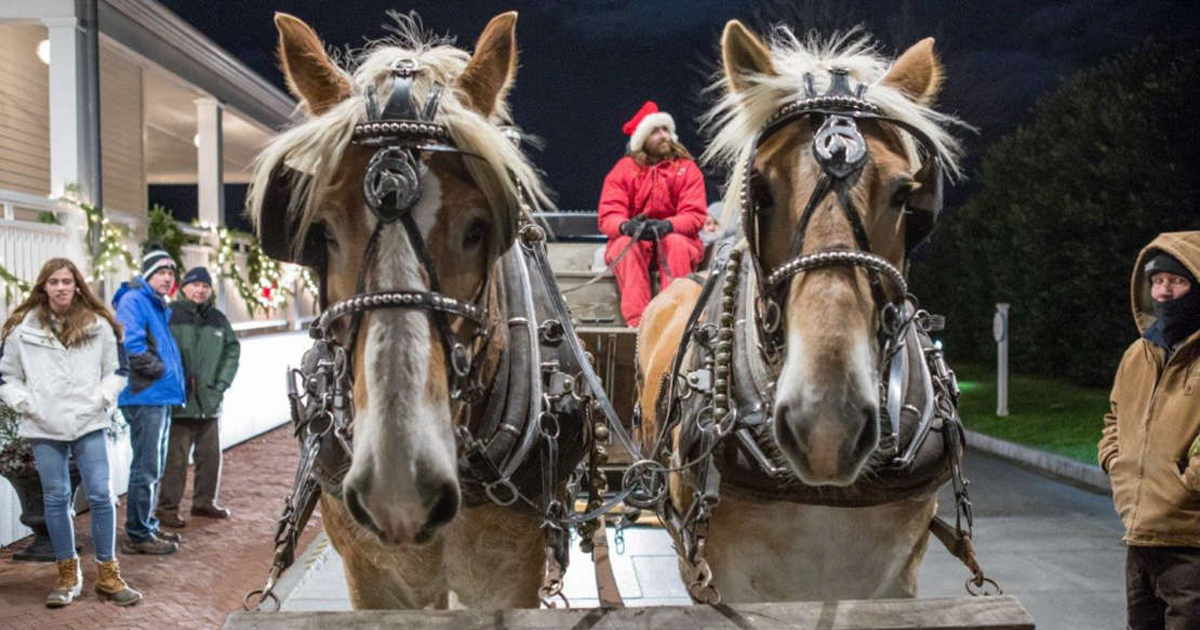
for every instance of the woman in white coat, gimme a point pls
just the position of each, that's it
(62, 368)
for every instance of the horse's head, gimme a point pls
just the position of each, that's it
(462, 200)
(824, 320)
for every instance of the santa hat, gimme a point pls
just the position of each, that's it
(646, 120)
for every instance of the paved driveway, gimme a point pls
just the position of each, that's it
(1054, 546)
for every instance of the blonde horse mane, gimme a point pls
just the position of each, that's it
(737, 117)
(316, 145)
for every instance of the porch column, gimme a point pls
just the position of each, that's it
(210, 175)
(210, 179)
(70, 154)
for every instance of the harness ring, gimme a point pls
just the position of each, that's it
(507, 484)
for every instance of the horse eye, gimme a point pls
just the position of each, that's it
(476, 231)
(326, 234)
(760, 192)
(900, 197)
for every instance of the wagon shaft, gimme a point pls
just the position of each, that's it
(976, 613)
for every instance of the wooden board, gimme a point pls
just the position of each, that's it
(974, 613)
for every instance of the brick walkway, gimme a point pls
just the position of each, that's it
(198, 586)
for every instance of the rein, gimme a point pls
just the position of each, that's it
(608, 270)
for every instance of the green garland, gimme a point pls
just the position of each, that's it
(106, 251)
(310, 282)
(15, 289)
(163, 231)
(263, 285)
(103, 255)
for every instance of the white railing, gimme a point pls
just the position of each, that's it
(300, 306)
(25, 243)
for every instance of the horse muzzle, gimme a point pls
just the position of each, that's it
(399, 520)
(827, 446)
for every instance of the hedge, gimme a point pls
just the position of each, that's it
(1064, 205)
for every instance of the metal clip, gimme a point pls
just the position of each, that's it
(701, 588)
(405, 67)
(700, 380)
(551, 333)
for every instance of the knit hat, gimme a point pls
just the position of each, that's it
(645, 121)
(196, 274)
(1164, 262)
(155, 259)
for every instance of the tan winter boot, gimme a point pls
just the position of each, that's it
(110, 586)
(70, 584)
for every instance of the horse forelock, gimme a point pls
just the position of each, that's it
(310, 147)
(737, 117)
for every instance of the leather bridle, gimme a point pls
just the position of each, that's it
(842, 152)
(392, 187)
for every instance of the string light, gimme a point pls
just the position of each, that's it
(267, 283)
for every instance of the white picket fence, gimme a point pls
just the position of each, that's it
(26, 243)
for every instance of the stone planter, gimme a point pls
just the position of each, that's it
(33, 514)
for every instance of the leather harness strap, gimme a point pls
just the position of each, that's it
(606, 583)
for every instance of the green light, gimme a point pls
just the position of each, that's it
(967, 386)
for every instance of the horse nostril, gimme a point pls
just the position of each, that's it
(357, 511)
(788, 430)
(443, 505)
(868, 434)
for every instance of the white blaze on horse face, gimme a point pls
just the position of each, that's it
(827, 397)
(403, 472)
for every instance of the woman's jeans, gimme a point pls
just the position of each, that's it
(91, 457)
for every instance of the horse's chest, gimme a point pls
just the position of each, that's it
(778, 550)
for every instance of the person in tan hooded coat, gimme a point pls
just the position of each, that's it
(1151, 443)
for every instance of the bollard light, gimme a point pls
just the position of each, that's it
(1000, 333)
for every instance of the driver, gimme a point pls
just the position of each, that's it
(654, 193)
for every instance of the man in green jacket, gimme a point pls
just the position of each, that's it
(210, 351)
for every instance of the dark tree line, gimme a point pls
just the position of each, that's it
(1064, 204)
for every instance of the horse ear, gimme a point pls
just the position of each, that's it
(917, 73)
(311, 75)
(490, 73)
(743, 55)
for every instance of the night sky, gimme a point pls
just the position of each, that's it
(586, 66)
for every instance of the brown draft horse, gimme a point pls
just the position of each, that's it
(826, 402)
(403, 476)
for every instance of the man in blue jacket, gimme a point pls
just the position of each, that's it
(156, 383)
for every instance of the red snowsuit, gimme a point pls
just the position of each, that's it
(671, 190)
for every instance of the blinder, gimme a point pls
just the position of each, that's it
(924, 205)
(278, 225)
